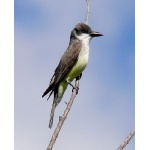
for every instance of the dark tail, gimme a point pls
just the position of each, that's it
(49, 89)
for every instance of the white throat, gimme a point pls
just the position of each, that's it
(84, 53)
(84, 36)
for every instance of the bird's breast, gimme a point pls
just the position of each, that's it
(80, 64)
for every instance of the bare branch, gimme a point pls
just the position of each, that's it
(62, 119)
(126, 141)
(74, 93)
(87, 11)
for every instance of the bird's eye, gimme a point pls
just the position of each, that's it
(84, 31)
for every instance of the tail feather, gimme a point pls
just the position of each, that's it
(49, 89)
(52, 115)
(57, 98)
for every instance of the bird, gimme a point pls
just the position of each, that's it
(71, 65)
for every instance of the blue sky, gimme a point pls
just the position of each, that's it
(103, 112)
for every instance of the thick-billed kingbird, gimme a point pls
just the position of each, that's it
(71, 64)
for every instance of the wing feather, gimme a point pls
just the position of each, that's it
(67, 61)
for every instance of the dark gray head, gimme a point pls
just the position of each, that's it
(83, 31)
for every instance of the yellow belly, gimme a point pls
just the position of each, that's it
(77, 69)
(73, 73)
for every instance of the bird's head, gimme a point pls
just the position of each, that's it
(83, 31)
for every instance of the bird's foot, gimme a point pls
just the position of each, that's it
(74, 87)
(79, 77)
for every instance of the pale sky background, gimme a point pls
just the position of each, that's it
(103, 113)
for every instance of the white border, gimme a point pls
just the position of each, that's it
(142, 75)
(7, 74)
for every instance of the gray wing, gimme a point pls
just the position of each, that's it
(67, 61)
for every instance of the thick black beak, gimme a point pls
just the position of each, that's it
(95, 34)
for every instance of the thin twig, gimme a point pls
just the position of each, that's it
(87, 11)
(74, 93)
(62, 119)
(126, 141)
